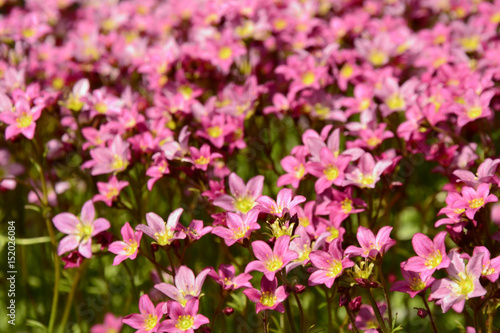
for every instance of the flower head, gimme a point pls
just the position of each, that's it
(128, 247)
(148, 320)
(269, 297)
(371, 246)
(163, 233)
(187, 286)
(183, 319)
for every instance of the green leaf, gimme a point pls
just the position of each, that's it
(34, 323)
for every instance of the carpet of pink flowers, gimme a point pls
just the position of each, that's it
(252, 165)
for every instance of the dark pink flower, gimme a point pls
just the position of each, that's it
(269, 297)
(128, 247)
(371, 246)
(328, 265)
(183, 319)
(284, 202)
(148, 320)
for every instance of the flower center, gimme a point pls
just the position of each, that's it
(186, 91)
(474, 112)
(476, 203)
(268, 299)
(331, 172)
(225, 53)
(308, 78)
(202, 160)
(373, 141)
(465, 285)
(304, 255)
(214, 131)
(150, 322)
(101, 108)
(346, 71)
(74, 103)
(165, 238)
(335, 269)
(274, 265)
(364, 104)
(119, 163)
(24, 121)
(131, 247)
(304, 221)
(434, 260)
(347, 205)
(396, 102)
(299, 171)
(84, 230)
(416, 284)
(470, 44)
(28, 33)
(243, 204)
(240, 232)
(185, 323)
(377, 58)
(113, 192)
(367, 180)
(334, 233)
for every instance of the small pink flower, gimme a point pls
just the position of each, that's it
(242, 197)
(196, 230)
(128, 247)
(271, 261)
(201, 158)
(183, 319)
(269, 297)
(485, 173)
(79, 230)
(491, 266)
(284, 202)
(228, 280)
(22, 120)
(475, 107)
(148, 320)
(461, 284)
(330, 171)
(114, 158)
(473, 200)
(367, 173)
(327, 266)
(431, 254)
(187, 286)
(109, 191)
(295, 168)
(111, 324)
(371, 246)
(238, 228)
(163, 233)
(413, 282)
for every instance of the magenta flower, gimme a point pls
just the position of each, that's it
(271, 261)
(367, 173)
(473, 200)
(183, 319)
(491, 267)
(201, 158)
(431, 254)
(79, 230)
(228, 280)
(461, 284)
(111, 324)
(187, 286)
(114, 158)
(269, 297)
(295, 168)
(148, 320)
(284, 202)
(371, 246)
(330, 170)
(238, 228)
(243, 196)
(163, 233)
(485, 173)
(128, 247)
(474, 107)
(413, 282)
(196, 230)
(109, 191)
(327, 266)
(21, 119)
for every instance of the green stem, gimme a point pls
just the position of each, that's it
(68, 307)
(480, 318)
(288, 311)
(434, 328)
(351, 317)
(377, 312)
(218, 310)
(386, 293)
(301, 312)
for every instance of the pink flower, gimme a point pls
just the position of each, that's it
(474, 107)
(128, 247)
(158, 168)
(473, 200)
(269, 297)
(8, 170)
(271, 261)
(485, 173)
(283, 203)
(22, 119)
(228, 280)
(328, 265)
(491, 267)
(109, 191)
(163, 233)
(114, 158)
(371, 246)
(295, 168)
(413, 282)
(431, 255)
(196, 230)
(79, 230)
(111, 324)
(183, 319)
(461, 284)
(238, 228)
(201, 158)
(243, 196)
(330, 170)
(367, 173)
(148, 320)
(186, 285)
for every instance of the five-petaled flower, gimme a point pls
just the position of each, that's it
(128, 247)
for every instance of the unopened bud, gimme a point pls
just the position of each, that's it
(228, 311)
(355, 304)
(421, 313)
(343, 300)
(299, 288)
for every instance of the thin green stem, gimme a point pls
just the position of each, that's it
(380, 319)
(71, 295)
(431, 317)
(386, 293)
(289, 315)
(301, 312)
(218, 310)
(351, 317)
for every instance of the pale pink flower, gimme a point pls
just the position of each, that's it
(128, 247)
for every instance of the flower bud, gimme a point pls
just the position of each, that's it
(355, 304)
(299, 288)
(343, 300)
(421, 313)
(228, 311)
